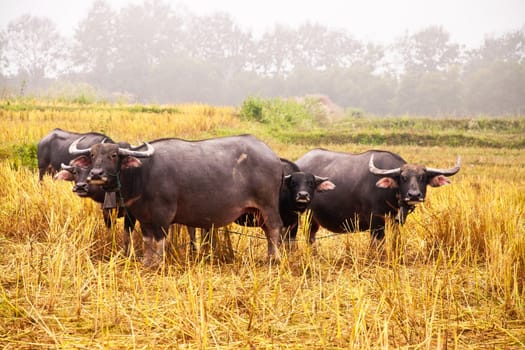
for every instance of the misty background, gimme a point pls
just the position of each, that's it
(154, 52)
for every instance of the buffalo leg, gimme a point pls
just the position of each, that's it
(290, 227)
(290, 236)
(206, 240)
(377, 235)
(314, 227)
(273, 229)
(108, 217)
(193, 238)
(129, 226)
(377, 228)
(41, 172)
(154, 238)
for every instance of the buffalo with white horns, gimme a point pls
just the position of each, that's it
(369, 187)
(205, 184)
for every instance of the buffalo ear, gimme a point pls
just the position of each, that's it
(387, 182)
(323, 184)
(130, 162)
(65, 175)
(81, 161)
(439, 180)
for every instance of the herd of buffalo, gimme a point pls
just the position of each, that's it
(214, 182)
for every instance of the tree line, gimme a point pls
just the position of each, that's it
(153, 53)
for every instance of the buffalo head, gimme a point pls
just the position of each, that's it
(105, 160)
(412, 180)
(302, 186)
(78, 172)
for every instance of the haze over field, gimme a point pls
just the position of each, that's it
(383, 57)
(452, 276)
(467, 21)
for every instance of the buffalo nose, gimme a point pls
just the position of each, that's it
(303, 196)
(96, 173)
(80, 187)
(414, 194)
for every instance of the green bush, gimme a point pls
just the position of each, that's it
(25, 155)
(252, 109)
(278, 113)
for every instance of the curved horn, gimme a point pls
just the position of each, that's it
(73, 150)
(138, 154)
(446, 172)
(66, 167)
(376, 171)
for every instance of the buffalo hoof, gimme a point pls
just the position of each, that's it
(151, 262)
(153, 252)
(272, 260)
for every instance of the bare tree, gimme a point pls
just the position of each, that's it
(3, 58)
(318, 47)
(95, 46)
(146, 34)
(494, 78)
(218, 40)
(35, 48)
(510, 47)
(428, 50)
(311, 46)
(274, 55)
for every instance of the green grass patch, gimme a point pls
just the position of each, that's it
(473, 125)
(319, 137)
(23, 155)
(277, 113)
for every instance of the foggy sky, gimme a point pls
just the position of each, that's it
(468, 21)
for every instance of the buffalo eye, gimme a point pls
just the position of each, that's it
(114, 155)
(404, 178)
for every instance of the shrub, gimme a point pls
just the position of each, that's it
(252, 109)
(278, 113)
(25, 155)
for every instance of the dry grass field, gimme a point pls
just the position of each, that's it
(453, 277)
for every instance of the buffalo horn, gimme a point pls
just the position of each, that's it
(376, 171)
(73, 150)
(66, 167)
(138, 154)
(446, 172)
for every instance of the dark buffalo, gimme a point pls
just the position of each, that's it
(370, 186)
(78, 172)
(297, 191)
(52, 150)
(202, 184)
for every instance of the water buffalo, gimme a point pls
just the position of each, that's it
(297, 191)
(78, 172)
(370, 186)
(52, 149)
(202, 184)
